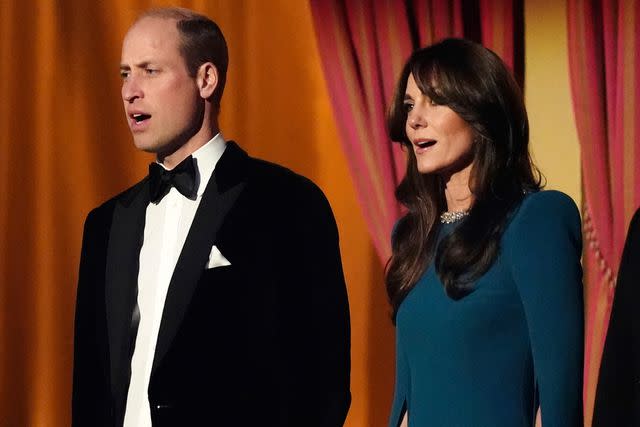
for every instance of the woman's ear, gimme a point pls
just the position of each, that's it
(207, 79)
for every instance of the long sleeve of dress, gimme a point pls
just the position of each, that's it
(544, 247)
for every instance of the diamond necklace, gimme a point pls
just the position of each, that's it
(453, 216)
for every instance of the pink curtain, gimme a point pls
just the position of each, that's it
(604, 70)
(363, 45)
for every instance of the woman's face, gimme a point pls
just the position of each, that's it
(442, 141)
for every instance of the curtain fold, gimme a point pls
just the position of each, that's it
(363, 45)
(604, 72)
(362, 50)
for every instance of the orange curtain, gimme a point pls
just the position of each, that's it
(604, 38)
(65, 147)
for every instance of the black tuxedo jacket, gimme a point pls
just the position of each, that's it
(618, 392)
(261, 342)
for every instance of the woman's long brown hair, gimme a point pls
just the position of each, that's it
(475, 83)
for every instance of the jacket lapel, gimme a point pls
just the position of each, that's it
(224, 187)
(121, 276)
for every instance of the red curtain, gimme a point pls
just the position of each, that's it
(363, 45)
(604, 70)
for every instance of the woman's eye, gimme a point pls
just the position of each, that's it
(408, 107)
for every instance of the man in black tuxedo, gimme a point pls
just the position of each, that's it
(211, 293)
(617, 400)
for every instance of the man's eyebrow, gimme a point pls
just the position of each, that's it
(143, 64)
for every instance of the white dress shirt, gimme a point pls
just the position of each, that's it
(166, 226)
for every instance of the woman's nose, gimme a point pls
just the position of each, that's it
(416, 119)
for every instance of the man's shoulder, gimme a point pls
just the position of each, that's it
(276, 183)
(236, 164)
(270, 173)
(125, 197)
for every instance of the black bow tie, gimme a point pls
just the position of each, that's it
(182, 177)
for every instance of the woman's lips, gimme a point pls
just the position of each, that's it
(422, 145)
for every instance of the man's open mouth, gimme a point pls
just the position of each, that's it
(139, 117)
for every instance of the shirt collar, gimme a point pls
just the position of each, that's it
(206, 158)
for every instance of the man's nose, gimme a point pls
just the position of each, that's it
(131, 89)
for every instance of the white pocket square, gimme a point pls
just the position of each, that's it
(216, 259)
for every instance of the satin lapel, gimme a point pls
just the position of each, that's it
(223, 189)
(121, 276)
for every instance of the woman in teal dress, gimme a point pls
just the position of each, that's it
(485, 279)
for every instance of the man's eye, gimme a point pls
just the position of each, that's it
(151, 71)
(124, 74)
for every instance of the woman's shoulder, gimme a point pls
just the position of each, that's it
(547, 205)
(548, 199)
(545, 212)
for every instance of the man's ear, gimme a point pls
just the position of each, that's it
(207, 79)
